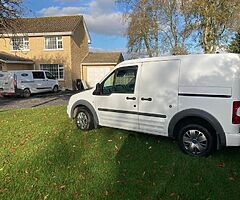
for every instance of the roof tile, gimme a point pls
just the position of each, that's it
(103, 57)
(46, 24)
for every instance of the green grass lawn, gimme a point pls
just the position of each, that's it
(44, 156)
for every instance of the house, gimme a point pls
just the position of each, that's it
(57, 44)
(96, 65)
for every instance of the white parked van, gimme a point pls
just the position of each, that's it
(26, 82)
(194, 99)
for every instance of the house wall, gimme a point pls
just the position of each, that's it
(79, 50)
(75, 48)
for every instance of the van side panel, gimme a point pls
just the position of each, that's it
(158, 95)
(209, 71)
(211, 84)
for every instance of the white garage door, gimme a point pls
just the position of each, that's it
(95, 74)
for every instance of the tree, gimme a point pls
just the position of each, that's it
(172, 26)
(142, 32)
(234, 46)
(215, 19)
(158, 26)
(9, 11)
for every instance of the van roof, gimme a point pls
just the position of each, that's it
(36, 70)
(180, 57)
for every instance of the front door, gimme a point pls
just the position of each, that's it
(158, 95)
(117, 105)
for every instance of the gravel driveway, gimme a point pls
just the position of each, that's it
(45, 99)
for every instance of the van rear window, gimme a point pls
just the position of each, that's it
(1, 75)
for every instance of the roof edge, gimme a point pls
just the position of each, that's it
(70, 33)
(99, 63)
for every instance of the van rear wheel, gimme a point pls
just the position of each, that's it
(84, 119)
(26, 93)
(196, 140)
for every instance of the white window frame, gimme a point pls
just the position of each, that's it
(20, 47)
(60, 67)
(57, 39)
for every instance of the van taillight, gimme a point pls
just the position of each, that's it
(236, 112)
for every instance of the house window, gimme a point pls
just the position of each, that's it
(53, 42)
(56, 69)
(20, 43)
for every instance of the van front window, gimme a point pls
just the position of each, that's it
(121, 81)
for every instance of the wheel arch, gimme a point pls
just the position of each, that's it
(87, 105)
(197, 114)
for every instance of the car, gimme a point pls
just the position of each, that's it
(194, 99)
(27, 82)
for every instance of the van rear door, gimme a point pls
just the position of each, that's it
(2, 75)
(158, 95)
(7, 83)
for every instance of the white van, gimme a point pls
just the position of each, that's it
(26, 82)
(194, 99)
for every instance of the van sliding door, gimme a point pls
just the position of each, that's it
(158, 95)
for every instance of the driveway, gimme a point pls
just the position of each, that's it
(45, 99)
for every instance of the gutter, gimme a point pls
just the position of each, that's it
(38, 34)
(16, 62)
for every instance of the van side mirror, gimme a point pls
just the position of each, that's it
(98, 89)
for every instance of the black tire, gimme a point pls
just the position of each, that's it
(84, 119)
(26, 93)
(55, 89)
(196, 140)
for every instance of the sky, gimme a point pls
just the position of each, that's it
(103, 18)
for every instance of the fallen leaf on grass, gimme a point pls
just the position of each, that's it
(3, 190)
(172, 194)
(221, 165)
(62, 186)
(45, 197)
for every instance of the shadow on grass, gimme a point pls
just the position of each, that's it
(113, 164)
(153, 167)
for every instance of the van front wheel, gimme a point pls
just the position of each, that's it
(55, 89)
(84, 119)
(196, 140)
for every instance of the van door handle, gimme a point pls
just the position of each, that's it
(131, 98)
(146, 99)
